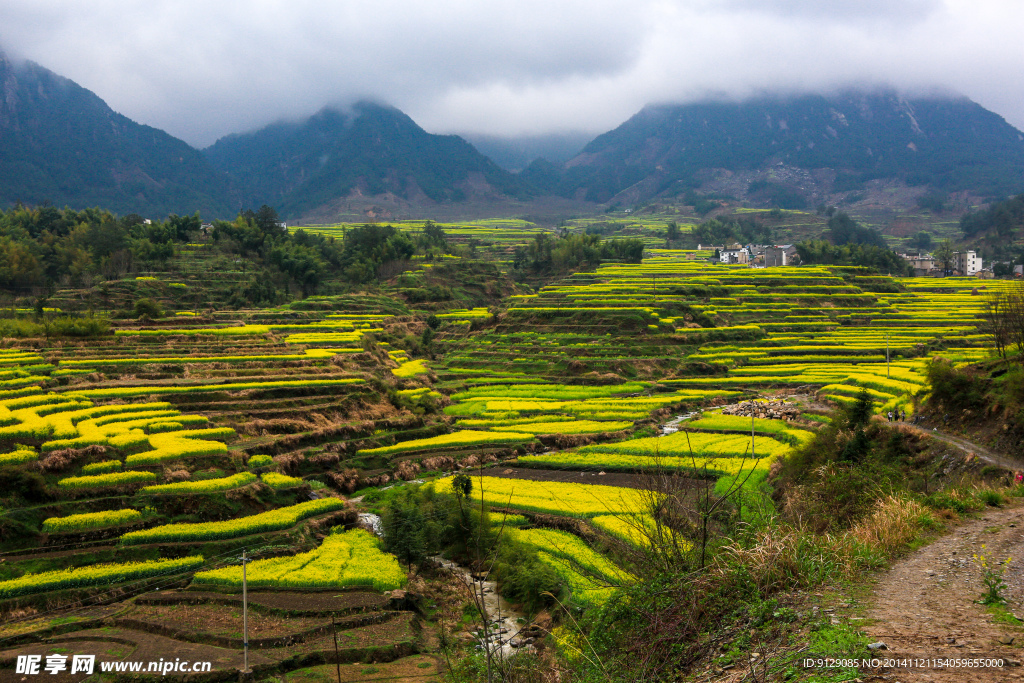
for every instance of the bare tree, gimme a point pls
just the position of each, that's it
(997, 322)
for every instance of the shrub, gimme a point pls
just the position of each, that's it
(990, 497)
(126, 392)
(17, 457)
(525, 579)
(64, 326)
(181, 445)
(953, 388)
(942, 500)
(453, 440)
(148, 308)
(29, 486)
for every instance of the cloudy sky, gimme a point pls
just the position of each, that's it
(204, 68)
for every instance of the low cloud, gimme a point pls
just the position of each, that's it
(525, 67)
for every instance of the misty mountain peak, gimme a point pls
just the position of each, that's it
(368, 149)
(60, 143)
(946, 142)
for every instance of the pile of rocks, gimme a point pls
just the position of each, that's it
(772, 409)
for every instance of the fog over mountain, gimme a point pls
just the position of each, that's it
(510, 68)
(515, 153)
(60, 143)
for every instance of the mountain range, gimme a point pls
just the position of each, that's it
(60, 143)
(947, 143)
(370, 151)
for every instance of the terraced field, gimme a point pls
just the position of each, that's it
(154, 457)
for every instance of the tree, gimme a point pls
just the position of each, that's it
(434, 234)
(301, 264)
(673, 233)
(19, 269)
(997, 321)
(146, 307)
(881, 259)
(183, 225)
(1004, 319)
(1004, 218)
(405, 530)
(922, 240)
(933, 201)
(858, 414)
(845, 230)
(944, 256)
(267, 220)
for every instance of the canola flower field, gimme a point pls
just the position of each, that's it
(344, 560)
(573, 377)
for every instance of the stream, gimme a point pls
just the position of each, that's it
(672, 426)
(504, 622)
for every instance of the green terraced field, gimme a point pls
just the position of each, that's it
(217, 431)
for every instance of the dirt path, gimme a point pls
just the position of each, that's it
(1012, 464)
(924, 607)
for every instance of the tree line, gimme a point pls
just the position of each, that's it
(549, 254)
(44, 247)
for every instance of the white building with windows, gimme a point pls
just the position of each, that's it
(966, 262)
(734, 254)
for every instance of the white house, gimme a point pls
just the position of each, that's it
(966, 262)
(734, 255)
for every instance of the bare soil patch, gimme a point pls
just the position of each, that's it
(383, 642)
(283, 601)
(415, 669)
(222, 621)
(116, 644)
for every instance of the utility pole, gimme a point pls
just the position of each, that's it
(887, 355)
(245, 615)
(337, 657)
(752, 453)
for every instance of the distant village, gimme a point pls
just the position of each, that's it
(964, 263)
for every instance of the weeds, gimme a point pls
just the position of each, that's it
(992, 577)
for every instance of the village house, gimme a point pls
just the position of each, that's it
(966, 262)
(734, 253)
(779, 255)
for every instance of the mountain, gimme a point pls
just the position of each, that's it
(515, 153)
(948, 143)
(372, 150)
(60, 143)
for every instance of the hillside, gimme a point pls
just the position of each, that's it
(950, 144)
(373, 150)
(60, 143)
(604, 415)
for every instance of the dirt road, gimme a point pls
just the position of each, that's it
(925, 606)
(1006, 462)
